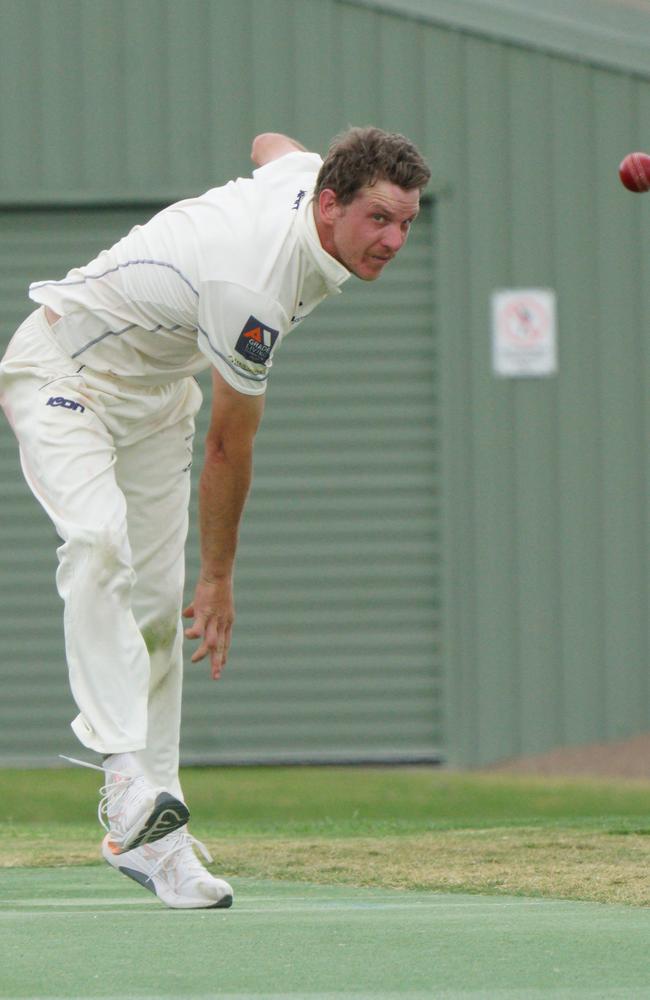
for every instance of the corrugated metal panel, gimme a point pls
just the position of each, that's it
(622, 385)
(119, 101)
(336, 647)
(43, 244)
(545, 483)
(36, 708)
(613, 33)
(546, 480)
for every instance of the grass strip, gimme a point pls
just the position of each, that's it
(344, 800)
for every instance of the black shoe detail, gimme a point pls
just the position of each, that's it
(167, 815)
(140, 877)
(224, 903)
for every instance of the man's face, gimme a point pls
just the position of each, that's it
(367, 233)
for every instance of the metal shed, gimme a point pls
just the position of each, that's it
(448, 564)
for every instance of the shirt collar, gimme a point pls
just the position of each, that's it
(332, 271)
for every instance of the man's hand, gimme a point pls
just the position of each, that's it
(213, 612)
(223, 488)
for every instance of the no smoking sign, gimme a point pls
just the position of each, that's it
(524, 332)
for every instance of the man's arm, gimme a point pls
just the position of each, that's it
(271, 146)
(223, 488)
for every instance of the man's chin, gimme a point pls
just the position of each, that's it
(370, 272)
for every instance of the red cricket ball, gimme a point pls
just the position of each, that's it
(634, 172)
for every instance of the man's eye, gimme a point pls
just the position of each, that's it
(378, 217)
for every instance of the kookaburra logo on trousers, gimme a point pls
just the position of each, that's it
(68, 404)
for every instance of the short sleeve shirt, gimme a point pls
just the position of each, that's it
(219, 279)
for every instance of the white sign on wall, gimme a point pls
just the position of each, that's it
(524, 332)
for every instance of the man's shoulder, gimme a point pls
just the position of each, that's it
(295, 170)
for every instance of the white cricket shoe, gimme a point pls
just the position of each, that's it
(171, 870)
(135, 812)
(132, 810)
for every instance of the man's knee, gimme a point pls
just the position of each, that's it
(100, 553)
(163, 637)
(160, 634)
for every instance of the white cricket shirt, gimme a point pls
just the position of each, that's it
(219, 279)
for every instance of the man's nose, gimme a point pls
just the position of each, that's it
(394, 237)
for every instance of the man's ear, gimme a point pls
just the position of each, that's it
(328, 205)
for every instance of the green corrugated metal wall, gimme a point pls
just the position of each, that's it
(335, 651)
(545, 482)
(35, 707)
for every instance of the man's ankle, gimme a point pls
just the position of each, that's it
(123, 763)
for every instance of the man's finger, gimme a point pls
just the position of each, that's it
(198, 629)
(220, 650)
(201, 652)
(218, 662)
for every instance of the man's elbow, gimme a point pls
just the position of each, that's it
(260, 145)
(223, 448)
(269, 146)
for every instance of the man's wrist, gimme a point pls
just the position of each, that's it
(211, 578)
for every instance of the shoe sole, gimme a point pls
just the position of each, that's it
(147, 883)
(223, 904)
(168, 814)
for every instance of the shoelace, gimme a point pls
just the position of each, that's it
(115, 794)
(184, 839)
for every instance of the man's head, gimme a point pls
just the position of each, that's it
(367, 195)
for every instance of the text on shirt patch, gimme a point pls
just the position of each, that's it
(255, 343)
(296, 204)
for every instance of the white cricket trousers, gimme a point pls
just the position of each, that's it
(109, 461)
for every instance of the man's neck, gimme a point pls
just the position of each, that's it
(321, 230)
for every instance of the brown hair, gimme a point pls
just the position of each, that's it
(360, 157)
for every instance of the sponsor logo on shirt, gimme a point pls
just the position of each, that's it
(254, 346)
(68, 404)
(299, 197)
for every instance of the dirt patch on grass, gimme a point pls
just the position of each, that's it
(623, 759)
(569, 865)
